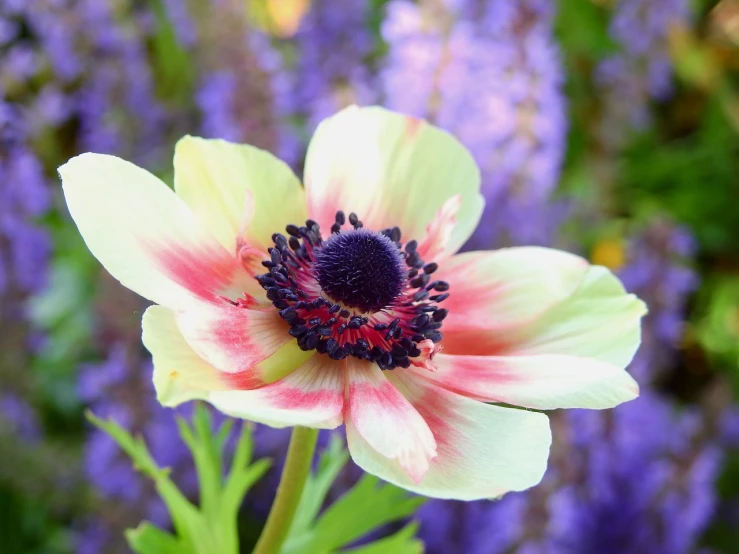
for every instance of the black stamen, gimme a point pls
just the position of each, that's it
(383, 276)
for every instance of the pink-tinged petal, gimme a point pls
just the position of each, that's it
(180, 374)
(386, 421)
(543, 382)
(240, 192)
(145, 236)
(483, 451)
(438, 242)
(599, 321)
(310, 396)
(234, 339)
(392, 170)
(492, 291)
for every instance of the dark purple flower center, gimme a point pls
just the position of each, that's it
(360, 269)
(358, 293)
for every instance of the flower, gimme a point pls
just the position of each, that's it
(348, 327)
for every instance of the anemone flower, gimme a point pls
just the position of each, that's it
(344, 301)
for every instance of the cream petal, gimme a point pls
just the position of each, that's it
(543, 382)
(600, 321)
(483, 451)
(310, 396)
(235, 340)
(386, 421)
(392, 170)
(491, 291)
(179, 373)
(145, 236)
(237, 190)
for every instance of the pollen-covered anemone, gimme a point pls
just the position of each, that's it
(344, 301)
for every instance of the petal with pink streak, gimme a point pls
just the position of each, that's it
(145, 236)
(392, 170)
(310, 396)
(484, 451)
(437, 244)
(379, 414)
(227, 184)
(543, 382)
(492, 291)
(234, 339)
(599, 321)
(180, 374)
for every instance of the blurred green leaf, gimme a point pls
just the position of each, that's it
(175, 75)
(211, 529)
(582, 28)
(332, 460)
(368, 505)
(402, 542)
(185, 516)
(691, 176)
(147, 538)
(717, 330)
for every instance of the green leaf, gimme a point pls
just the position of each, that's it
(148, 539)
(366, 506)
(207, 454)
(242, 475)
(212, 529)
(333, 459)
(185, 517)
(402, 542)
(175, 74)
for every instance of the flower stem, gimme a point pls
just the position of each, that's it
(289, 491)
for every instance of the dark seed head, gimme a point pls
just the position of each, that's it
(361, 269)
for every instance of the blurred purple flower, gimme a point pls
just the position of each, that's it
(641, 71)
(120, 388)
(24, 196)
(657, 272)
(332, 48)
(19, 417)
(490, 73)
(241, 88)
(639, 478)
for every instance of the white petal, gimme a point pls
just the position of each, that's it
(310, 396)
(145, 236)
(600, 321)
(543, 382)
(235, 339)
(484, 451)
(392, 170)
(237, 190)
(492, 291)
(179, 373)
(386, 421)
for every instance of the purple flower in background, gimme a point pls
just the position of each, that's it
(24, 196)
(118, 82)
(637, 479)
(119, 388)
(657, 271)
(332, 48)
(641, 71)
(241, 89)
(19, 417)
(490, 73)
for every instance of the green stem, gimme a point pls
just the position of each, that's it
(292, 482)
